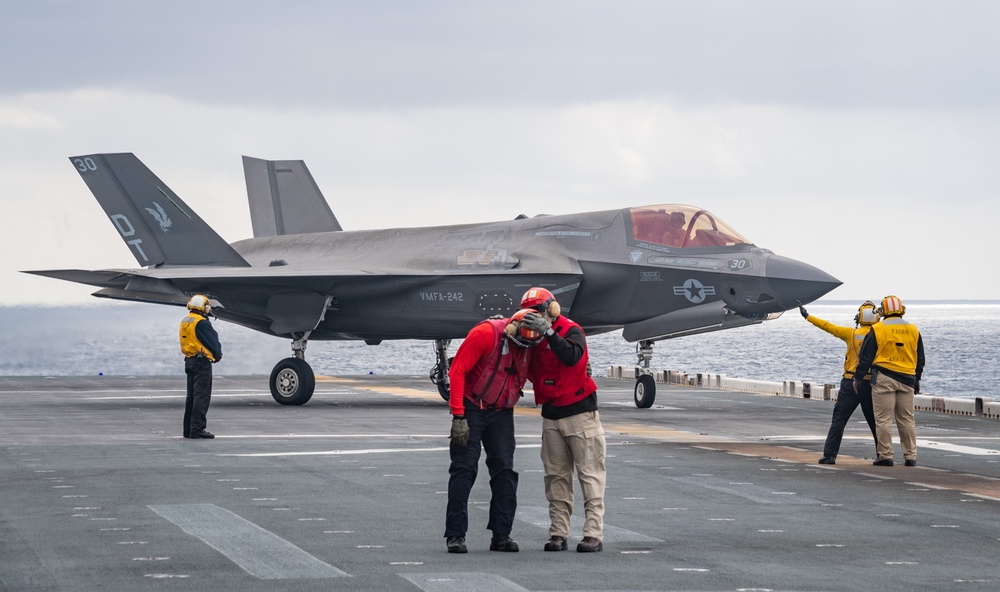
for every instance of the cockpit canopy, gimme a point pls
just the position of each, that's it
(681, 226)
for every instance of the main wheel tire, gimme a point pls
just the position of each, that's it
(292, 382)
(645, 391)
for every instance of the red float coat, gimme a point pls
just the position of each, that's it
(554, 381)
(489, 370)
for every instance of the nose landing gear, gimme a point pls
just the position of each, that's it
(645, 383)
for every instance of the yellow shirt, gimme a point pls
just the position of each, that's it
(190, 345)
(852, 336)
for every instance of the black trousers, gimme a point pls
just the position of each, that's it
(199, 394)
(493, 431)
(847, 402)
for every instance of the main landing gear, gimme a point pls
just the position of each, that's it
(439, 373)
(292, 380)
(645, 384)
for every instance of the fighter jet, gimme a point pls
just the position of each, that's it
(656, 272)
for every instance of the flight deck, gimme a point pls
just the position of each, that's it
(706, 490)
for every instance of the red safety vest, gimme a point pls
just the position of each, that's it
(554, 381)
(497, 378)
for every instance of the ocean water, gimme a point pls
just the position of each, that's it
(961, 342)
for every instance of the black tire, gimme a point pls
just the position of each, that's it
(444, 391)
(645, 391)
(444, 387)
(292, 382)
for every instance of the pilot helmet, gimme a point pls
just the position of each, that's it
(520, 334)
(541, 300)
(891, 305)
(199, 303)
(867, 314)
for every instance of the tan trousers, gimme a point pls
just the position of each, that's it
(892, 398)
(574, 441)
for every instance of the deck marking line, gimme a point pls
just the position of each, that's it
(955, 447)
(755, 493)
(259, 552)
(461, 582)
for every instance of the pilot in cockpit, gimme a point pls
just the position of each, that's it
(673, 236)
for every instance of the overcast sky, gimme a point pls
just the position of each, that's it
(860, 137)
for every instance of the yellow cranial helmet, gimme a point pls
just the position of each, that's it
(867, 314)
(891, 305)
(200, 303)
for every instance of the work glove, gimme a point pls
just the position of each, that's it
(459, 430)
(536, 322)
(857, 386)
(805, 314)
(916, 388)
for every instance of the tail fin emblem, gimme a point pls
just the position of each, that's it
(161, 217)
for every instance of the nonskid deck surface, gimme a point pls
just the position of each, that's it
(707, 490)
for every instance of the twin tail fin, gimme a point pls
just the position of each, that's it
(158, 227)
(284, 199)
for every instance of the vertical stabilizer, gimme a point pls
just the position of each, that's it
(284, 199)
(158, 227)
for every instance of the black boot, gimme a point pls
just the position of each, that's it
(556, 543)
(503, 542)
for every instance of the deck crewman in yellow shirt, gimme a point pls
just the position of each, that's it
(894, 354)
(201, 348)
(848, 398)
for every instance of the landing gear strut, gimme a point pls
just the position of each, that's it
(292, 380)
(439, 373)
(645, 384)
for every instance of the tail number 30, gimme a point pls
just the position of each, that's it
(85, 164)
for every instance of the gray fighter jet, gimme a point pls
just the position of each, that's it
(657, 272)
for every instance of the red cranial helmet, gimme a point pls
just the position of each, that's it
(541, 300)
(520, 334)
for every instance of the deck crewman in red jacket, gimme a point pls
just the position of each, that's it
(487, 375)
(572, 434)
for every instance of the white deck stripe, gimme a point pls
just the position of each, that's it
(259, 552)
(953, 447)
(461, 582)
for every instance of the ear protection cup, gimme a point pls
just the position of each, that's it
(541, 300)
(554, 309)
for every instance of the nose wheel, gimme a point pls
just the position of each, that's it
(645, 391)
(645, 383)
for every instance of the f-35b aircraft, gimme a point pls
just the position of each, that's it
(657, 272)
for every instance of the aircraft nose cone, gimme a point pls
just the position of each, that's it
(792, 281)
